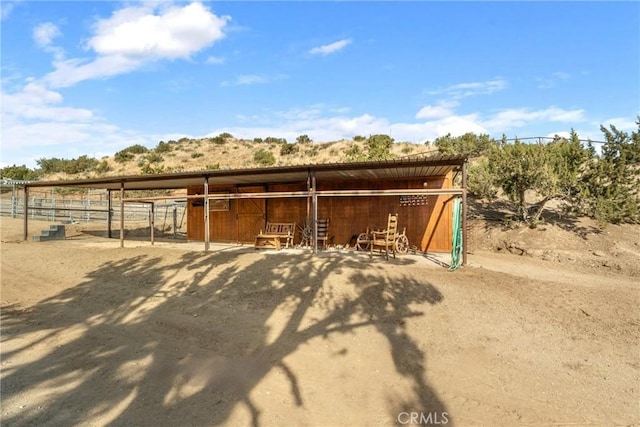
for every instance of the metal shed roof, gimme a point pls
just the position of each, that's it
(408, 167)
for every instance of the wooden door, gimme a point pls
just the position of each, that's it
(251, 215)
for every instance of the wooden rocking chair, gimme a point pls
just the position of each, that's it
(323, 232)
(385, 239)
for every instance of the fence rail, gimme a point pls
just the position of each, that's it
(171, 214)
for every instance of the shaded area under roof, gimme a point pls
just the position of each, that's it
(409, 167)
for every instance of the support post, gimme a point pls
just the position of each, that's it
(26, 212)
(464, 213)
(152, 221)
(122, 214)
(206, 213)
(175, 221)
(314, 199)
(308, 217)
(14, 200)
(109, 213)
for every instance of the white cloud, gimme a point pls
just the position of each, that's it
(6, 7)
(324, 123)
(246, 80)
(134, 36)
(35, 102)
(518, 117)
(253, 79)
(553, 80)
(621, 123)
(442, 109)
(463, 90)
(44, 34)
(35, 124)
(330, 48)
(216, 60)
(177, 32)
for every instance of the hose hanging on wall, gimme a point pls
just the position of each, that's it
(456, 238)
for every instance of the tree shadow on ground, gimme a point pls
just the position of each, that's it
(186, 339)
(501, 215)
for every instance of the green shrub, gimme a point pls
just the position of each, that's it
(264, 157)
(288, 149)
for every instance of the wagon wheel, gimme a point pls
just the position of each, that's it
(363, 242)
(402, 244)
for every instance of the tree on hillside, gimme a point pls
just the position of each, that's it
(379, 147)
(468, 144)
(540, 171)
(22, 173)
(610, 183)
(304, 139)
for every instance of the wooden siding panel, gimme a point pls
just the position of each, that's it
(428, 227)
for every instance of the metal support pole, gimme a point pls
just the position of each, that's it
(53, 204)
(14, 201)
(206, 213)
(26, 212)
(109, 213)
(314, 200)
(153, 221)
(464, 213)
(175, 221)
(122, 214)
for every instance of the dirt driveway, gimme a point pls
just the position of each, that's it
(93, 334)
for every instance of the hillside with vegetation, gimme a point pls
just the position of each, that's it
(221, 152)
(568, 175)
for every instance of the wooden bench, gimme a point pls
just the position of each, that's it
(275, 234)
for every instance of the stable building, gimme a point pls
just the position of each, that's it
(234, 205)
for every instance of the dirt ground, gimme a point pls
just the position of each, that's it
(535, 331)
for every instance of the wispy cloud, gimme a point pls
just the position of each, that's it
(442, 109)
(463, 90)
(518, 117)
(44, 34)
(330, 48)
(6, 7)
(552, 80)
(324, 123)
(253, 79)
(136, 35)
(215, 60)
(34, 120)
(246, 80)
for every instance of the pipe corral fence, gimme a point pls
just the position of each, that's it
(91, 206)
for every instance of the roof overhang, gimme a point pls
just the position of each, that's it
(438, 165)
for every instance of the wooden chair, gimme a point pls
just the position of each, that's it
(385, 239)
(323, 232)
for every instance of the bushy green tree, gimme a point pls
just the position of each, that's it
(611, 181)
(355, 153)
(128, 154)
(288, 149)
(540, 171)
(468, 144)
(70, 166)
(264, 157)
(21, 172)
(163, 147)
(303, 139)
(379, 147)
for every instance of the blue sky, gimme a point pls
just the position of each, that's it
(96, 77)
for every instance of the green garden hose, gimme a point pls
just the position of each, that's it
(456, 238)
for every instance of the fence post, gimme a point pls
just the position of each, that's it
(175, 221)
(53, 205)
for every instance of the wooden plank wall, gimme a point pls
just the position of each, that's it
(427, 227)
